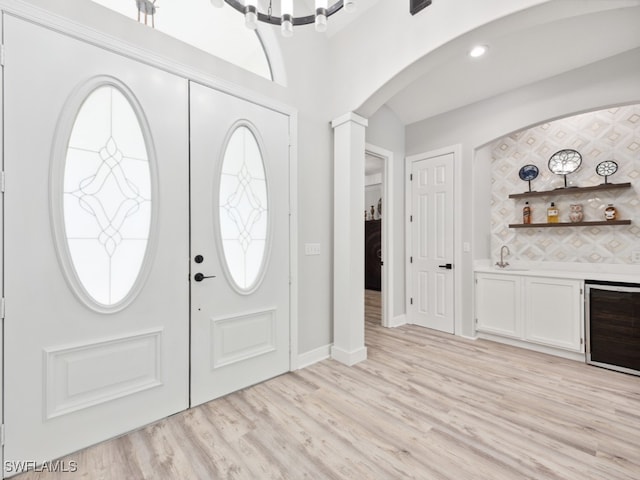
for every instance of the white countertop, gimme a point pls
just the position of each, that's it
(579, 271)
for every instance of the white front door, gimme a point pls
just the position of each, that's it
(239, 243)
(96, 235)
(431, 256)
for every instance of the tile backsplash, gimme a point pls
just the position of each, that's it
(611, 134)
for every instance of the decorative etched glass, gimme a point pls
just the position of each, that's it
(107, 196)
(243, 208)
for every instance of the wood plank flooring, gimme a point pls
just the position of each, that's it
(424, 405)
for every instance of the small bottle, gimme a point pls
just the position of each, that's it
(526, 214)
(552, 213)
(610, 212)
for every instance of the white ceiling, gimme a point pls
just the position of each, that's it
(520, 52)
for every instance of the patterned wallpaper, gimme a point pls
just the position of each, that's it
(612, 134)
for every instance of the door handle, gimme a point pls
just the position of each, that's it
(198, 277)
(447, 266)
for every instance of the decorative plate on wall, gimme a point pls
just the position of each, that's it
(564, 162)
(606, 168)
(528, 173)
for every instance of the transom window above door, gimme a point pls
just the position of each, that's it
(218, 31)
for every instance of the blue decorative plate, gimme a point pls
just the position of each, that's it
(528, 173)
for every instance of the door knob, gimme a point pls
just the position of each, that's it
(447, 266)
(198, 277)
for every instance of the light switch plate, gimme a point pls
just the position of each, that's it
(312, 249)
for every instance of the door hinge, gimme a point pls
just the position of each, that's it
(582, 341)
(411, 218)
(2, 434)
(410, 259)
(580, 291)
(411, 177)
(2, 308)
(476, 321)
(411, 301)
(2, 55)
(2, 181)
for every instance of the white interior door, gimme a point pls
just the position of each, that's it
(240, 235)
(96, 242)
(432, 274)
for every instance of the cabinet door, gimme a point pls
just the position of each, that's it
(499, 304)
(553, 312)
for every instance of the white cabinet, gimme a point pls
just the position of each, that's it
(541, 310)
(553, 312)
(498, 304)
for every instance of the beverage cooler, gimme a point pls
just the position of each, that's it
(612, 315)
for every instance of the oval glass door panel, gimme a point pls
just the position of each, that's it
(107, 196)
(244, 209)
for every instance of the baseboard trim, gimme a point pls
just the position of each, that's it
(558, 352)
(468, 337)
(349, 358)
(398, 321)
(316, 355)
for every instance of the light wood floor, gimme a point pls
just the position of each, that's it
(424, 405)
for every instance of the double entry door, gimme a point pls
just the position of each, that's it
(111, 321)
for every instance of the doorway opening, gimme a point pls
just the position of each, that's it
(378, 245)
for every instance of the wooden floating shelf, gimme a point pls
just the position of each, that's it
(572, 190)
(571, 224)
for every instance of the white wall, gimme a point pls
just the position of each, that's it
(307, 86)
(386, 131)
(614, 81)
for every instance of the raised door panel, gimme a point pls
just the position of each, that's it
(498, 305)
(553, 312)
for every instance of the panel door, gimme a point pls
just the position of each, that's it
(432, 243)
(96, 243)
(239, 243)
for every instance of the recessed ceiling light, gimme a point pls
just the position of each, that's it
(478, 51)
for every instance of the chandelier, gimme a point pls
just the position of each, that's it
(286, 20)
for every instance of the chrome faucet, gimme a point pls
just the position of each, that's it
(502, 263)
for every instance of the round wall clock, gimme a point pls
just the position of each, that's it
(564, 162)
